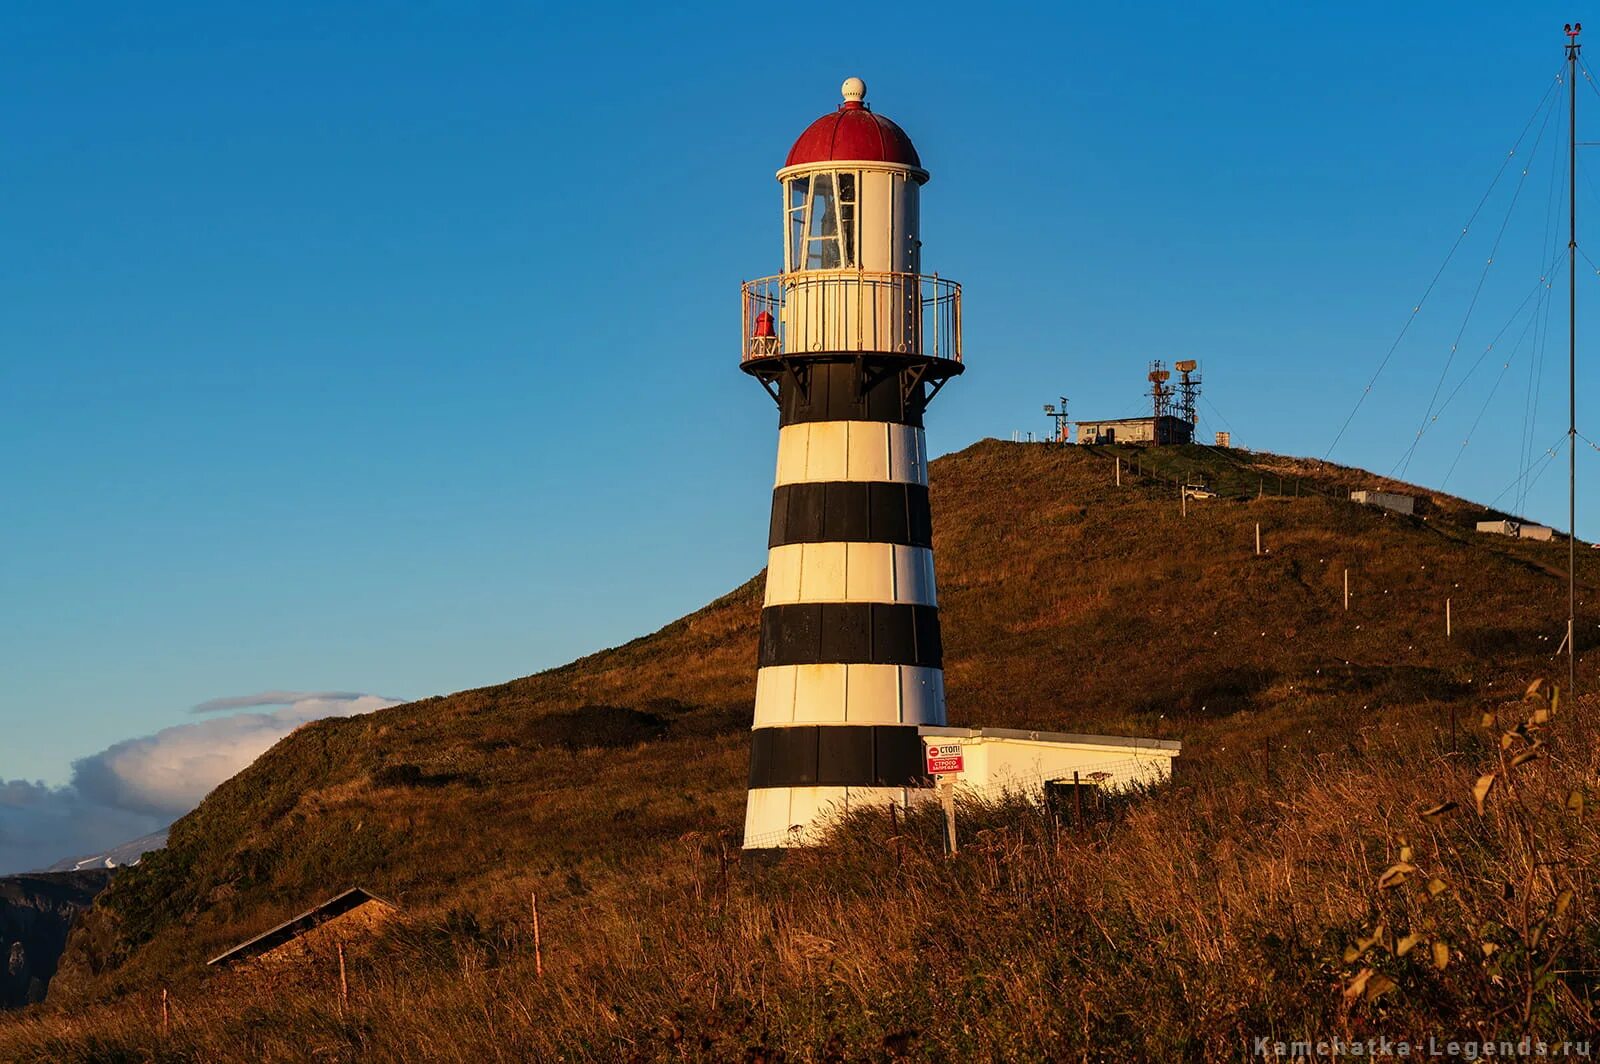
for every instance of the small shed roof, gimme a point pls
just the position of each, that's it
(337, 905)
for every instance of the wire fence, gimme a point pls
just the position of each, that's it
(1246, 480)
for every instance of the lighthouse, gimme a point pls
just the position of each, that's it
(852, 341)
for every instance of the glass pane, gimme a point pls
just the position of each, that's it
(821, 250)
(798, 189)
(823, 220)
(797, 239)
(822, 239)
(847, 219)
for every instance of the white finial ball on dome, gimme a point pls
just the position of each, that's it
(854, 89)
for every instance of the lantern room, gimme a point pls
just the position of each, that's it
(852, 279)
(850, 188)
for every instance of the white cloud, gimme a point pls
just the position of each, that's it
(274, 698)
(139, 785)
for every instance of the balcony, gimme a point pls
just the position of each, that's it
(851, 312)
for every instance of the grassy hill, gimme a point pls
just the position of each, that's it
(613, 787)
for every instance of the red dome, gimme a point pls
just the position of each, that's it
(853, 134)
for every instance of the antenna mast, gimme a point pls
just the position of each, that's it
(1188, 389)
(1573, 47)
(1059, 416)
(1160, 391)
(1161, 400)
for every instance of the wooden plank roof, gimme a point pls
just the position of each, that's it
(293, 928)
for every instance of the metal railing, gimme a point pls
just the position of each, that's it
(873, 313)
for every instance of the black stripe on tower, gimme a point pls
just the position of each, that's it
(851, 512)
(837, 755)
(851, 390)
(851, 633)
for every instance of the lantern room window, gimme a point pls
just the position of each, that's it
(822, 222)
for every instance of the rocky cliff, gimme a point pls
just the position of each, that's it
(36, 912)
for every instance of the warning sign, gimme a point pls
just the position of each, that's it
(944, 759)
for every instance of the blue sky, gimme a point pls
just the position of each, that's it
(347, 348)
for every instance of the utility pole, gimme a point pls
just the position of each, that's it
(1573, 47)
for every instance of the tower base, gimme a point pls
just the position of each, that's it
(779, 817)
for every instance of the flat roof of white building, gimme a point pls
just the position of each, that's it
(1159, 747)
(1127, 420)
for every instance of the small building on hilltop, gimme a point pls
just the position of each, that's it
(1516, 530)
(1387, 500)
(1173, 411)
(355, 914)
(1161, 431)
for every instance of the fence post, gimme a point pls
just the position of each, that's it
(164, 1015)
(947, 795)
(1119, 472)
(1077, 801)
(1447, 618)
(1347, 591)
(344, 983)
(538, 946)
(1258, 539)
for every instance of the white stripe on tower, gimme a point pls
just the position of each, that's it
(850, 572)
(849, 694)
(820, 451)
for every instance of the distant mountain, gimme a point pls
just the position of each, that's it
(126, 854)
(37, 910)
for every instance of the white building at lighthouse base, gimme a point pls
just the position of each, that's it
(990, 763)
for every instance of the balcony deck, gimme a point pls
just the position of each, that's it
(850, 313)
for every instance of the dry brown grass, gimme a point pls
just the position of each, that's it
(1178, 928)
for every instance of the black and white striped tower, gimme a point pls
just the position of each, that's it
(852, 341)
